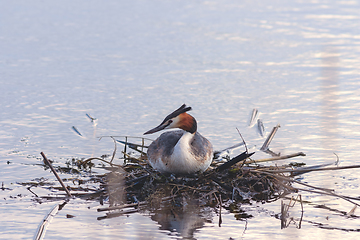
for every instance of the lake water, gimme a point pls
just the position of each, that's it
(130, 63)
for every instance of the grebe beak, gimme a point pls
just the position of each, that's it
(156, 129)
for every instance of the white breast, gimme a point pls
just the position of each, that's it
(183, 158)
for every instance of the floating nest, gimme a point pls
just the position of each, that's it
(135, 185)
(229, 182)
(141, 183)
(234, 180)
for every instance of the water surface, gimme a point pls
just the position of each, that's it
(129, 64)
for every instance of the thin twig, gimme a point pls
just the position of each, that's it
(114, 152)
(142, 146)
(352, 211)
(312, 170)
(292, 180)
(277, 158)
(125, 136)
(331, 194)
(323, 190)
(302, 211)
(283, 214)
(55, 173)
(220, 206)
(122, 206)
(32, 192)
(337, 160)
(103, 160)
(242, 140)
(125, 148)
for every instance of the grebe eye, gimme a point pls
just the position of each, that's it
(170, 121)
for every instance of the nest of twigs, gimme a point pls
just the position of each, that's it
(134, 185)
(141, 183)
(235, 180)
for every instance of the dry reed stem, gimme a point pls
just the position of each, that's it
(276, 158)
(268, 140)
(292, 180)
(323, 190)
(346, 198)
(312, 170)
(114, 152)
(55, 173)
(100, 159)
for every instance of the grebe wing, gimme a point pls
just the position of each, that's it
(164, 145)
(201, 147)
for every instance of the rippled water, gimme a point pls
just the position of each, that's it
(128, 64)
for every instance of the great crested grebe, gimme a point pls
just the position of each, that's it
(182, 151)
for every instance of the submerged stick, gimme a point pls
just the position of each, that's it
(122, 206)
(55, 173)
(302, 211)
(220, 206)
(40, 232)
(117, 214)
(131, 205)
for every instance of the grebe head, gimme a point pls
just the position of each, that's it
(177, 119)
